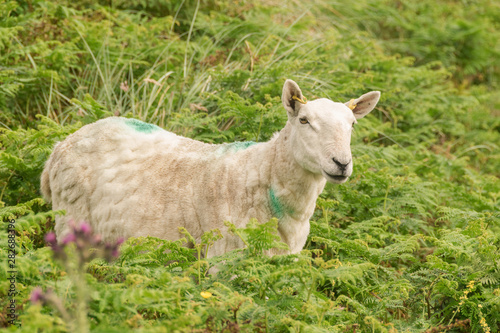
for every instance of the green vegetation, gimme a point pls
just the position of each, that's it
(410, 243)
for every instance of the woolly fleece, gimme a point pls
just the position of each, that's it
(128, 178)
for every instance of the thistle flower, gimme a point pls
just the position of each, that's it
(49, 298)
(37, 296)
(69, 238)
(58, 250)
(111, 250)
(85, 228)
(82, 237)
(50, 238)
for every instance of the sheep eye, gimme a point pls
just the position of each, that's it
(303, 121)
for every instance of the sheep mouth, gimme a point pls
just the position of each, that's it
(337, 178)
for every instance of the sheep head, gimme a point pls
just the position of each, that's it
(320, 135)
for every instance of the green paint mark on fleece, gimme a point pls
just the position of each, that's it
(234, 147)
(277, 208)
(142, 127)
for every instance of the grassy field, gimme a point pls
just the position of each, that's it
(411, 243)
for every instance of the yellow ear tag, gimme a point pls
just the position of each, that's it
(351, 105)
(302, 101)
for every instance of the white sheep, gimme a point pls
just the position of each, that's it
(129, 178)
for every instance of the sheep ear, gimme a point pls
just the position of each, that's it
(291, 90)
(364, 104)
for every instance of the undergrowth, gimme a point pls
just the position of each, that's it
(409, 244)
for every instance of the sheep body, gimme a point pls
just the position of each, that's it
(129, 178)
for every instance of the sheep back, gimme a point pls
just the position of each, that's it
(129, 178)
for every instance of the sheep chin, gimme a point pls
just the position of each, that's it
(335, 179)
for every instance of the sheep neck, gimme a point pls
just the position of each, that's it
(293, 191)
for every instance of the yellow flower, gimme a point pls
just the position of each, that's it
(206, 294)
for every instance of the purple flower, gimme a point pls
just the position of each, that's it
(111, 250)
(97, 239)
(85, 228)
(84, 240)
(69, 238)
(50, 238)
(37, 295)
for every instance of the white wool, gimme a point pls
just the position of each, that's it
(128, 178)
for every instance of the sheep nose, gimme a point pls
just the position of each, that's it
(342, 166)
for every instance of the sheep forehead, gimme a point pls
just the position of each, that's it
(327, 112)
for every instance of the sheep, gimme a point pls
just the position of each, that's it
(128, 178)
